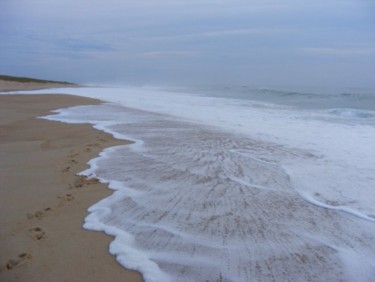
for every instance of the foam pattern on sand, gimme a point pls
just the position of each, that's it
(341, 169)
(194, 202)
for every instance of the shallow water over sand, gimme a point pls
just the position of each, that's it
(195, 202)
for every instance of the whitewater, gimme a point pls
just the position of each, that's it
(230, 188)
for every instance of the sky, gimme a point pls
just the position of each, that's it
(157, 42)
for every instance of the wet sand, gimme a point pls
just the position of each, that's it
(42, 201)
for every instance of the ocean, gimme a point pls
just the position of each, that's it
(235, 183)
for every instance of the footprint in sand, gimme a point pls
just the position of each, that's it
(94, 145)
(78, 183)
(38, 214)
(65, 198)
(73, 161)
(66, 169)
(69, 197)
(37, 233)
(73, 154)
(21, 259)
(83, 181)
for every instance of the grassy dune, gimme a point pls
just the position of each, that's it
(31, 80)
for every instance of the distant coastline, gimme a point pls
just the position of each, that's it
(16, 83)
(32, 80)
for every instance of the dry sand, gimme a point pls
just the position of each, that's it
(42, 201)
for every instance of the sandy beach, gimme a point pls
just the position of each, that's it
(43, 201)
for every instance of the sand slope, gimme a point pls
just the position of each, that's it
(42, 201)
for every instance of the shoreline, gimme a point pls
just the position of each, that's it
(44, 202)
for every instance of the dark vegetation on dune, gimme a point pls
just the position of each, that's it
(32, 80)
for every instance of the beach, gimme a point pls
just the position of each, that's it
(228, 189)
(43, 201)
(210, 189)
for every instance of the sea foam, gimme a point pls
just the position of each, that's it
(234, 190)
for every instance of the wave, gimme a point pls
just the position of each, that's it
(304, 98)
(194, 202)
(336, 206)
(286, 93)
(352, 113)
(210, 188)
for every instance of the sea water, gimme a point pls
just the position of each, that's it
(236, 184)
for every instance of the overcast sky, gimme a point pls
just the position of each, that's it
(256, 42)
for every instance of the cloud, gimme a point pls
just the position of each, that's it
(326, 51)
(168, 53)
(226, 33)
(207, 39)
